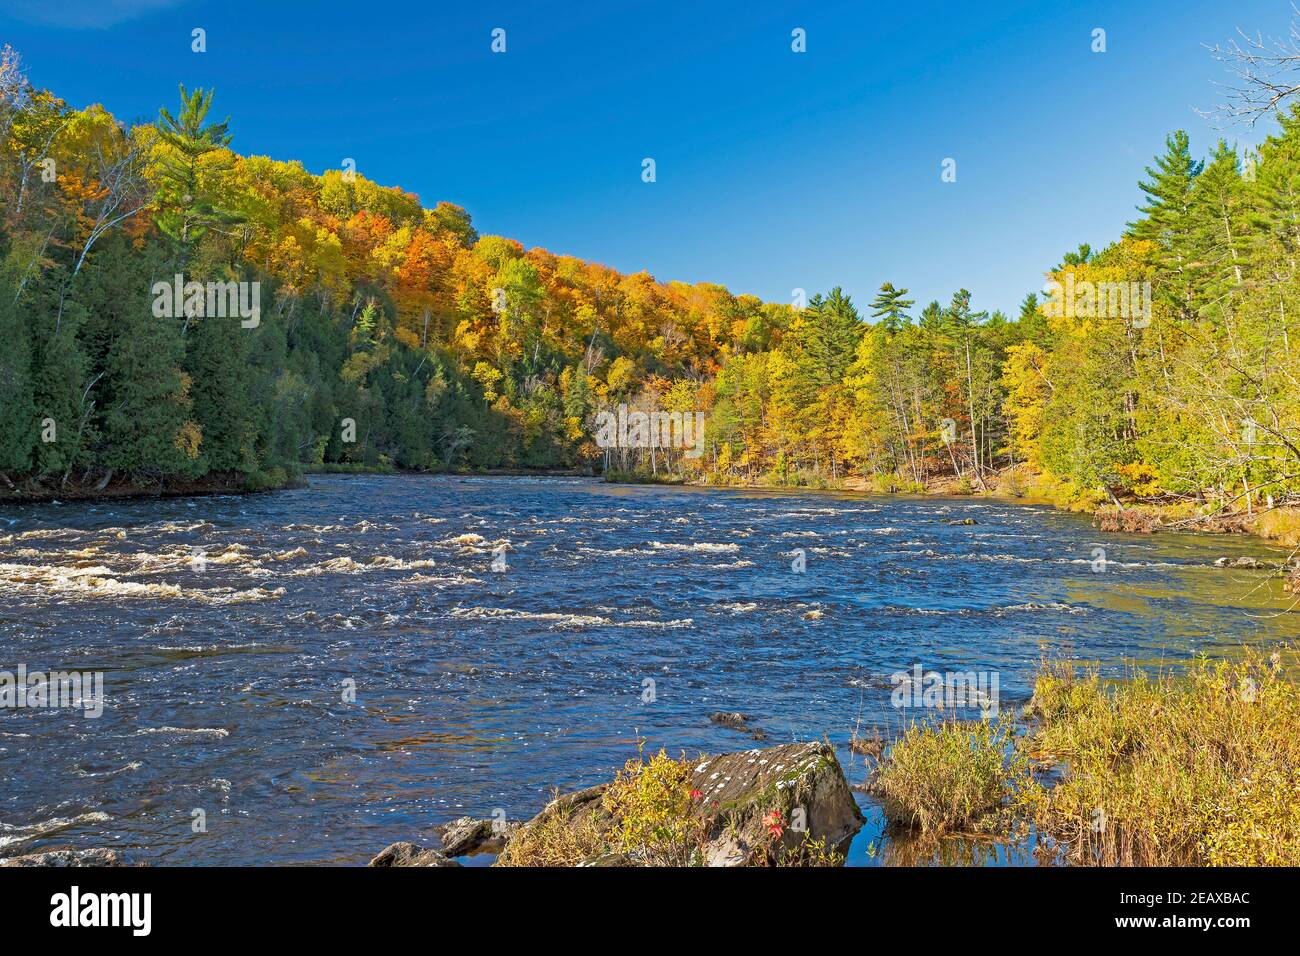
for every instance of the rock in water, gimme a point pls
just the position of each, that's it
(795, 792)
(409, 854)
(97, 857)
(1250, 564)
(755, 804)
(737, 721)
(466, 835)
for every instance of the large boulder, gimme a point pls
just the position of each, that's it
(794, 792)
(755, 807)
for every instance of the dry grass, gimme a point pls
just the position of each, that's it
(945, 778)
(562, 836)
(1192, 768)
(1201, 768)
(644, 815)
(1281, 525)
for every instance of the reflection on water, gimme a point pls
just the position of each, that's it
(229, 631)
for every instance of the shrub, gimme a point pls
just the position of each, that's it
(651, 802)
(1127, 520)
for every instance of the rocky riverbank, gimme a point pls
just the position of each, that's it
(777, 806)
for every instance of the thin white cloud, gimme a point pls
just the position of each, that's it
(83, 14)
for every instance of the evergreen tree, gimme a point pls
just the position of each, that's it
(187, 210)
(217, 362)
(932, 316)
(890, 306)
(1218, 232)
(831, 333)
(1167, 221)
(147, 430)
(1169, 191)
(18, 422)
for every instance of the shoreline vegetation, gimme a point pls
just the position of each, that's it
(1278, 524)
(1195, 767)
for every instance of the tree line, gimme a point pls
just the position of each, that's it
(392, 334)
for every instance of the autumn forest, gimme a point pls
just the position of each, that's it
(393, 336)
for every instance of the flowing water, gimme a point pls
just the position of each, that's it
(229, 631)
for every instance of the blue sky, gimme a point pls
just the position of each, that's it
(775, 170)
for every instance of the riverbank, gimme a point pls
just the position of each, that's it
(1199, 767)
(99, 487)
(1278, 524)
(110, 487)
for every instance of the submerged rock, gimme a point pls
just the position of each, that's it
(737, 721)
(409, 854)
(734, 720)
(96, 857)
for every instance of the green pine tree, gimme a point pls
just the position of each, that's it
(18, 422)
(147, 432)
(217, 362)
(890, 306)
(186, 210)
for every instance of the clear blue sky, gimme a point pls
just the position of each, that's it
(775, 170)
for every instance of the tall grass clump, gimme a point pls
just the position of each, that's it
(944, 778)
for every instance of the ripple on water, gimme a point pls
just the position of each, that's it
(340, 667)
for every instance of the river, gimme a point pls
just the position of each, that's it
(232, 631)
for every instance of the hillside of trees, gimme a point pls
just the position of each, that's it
(391, 334)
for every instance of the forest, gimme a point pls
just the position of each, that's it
(391, 335)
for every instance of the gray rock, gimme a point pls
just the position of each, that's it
(737, 721)
(798, 788)
(755, 805)
(409, 854)
(1250, 564)
(466, 835)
